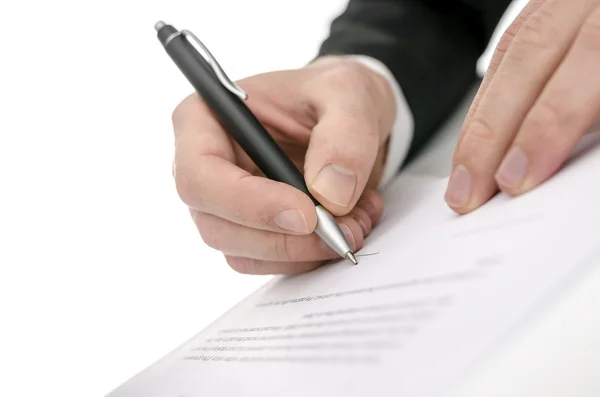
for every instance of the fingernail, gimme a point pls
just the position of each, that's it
(292, 220)
(459, 189)
(349, 236)
(336, 184)
(513, 168)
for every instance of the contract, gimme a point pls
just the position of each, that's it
(433, 292)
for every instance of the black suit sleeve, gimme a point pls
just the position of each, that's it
(430, 46)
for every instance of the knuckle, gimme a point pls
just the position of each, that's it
(546, 123)
(283, 247)
(210, 234)
(245, 211)
(356, 78)
(346, 74)
(362, 218)
(182, 110)
(372, 202)
(369, 94)
(503, 44)
(242, 265)
(474, 145)
(261, 220)
(538, 32)
(544, 117)
(480, 131)
(238, 214)
(307, 111)
(509, 34)
(186, 190)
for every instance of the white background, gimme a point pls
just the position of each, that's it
(101, 270)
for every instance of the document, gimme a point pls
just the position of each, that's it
(432, 293)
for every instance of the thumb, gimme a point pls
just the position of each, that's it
(355, 112)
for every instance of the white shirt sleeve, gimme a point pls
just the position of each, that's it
(403, 128)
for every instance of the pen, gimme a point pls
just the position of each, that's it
(226, 100)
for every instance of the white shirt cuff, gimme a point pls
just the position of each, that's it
(403, 128)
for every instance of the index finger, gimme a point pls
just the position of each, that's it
(208, 179)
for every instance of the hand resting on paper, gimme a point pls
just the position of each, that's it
(333, 119)
(540, 95)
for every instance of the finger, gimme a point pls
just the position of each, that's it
(260, 267)
(498, 55)
(353, 122)
(239, 241)
(208, 180)
(532, 57)
(565, 111)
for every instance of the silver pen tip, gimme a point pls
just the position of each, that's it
(350, 256)
(159, 25)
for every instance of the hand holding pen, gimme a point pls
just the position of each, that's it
(330, 119)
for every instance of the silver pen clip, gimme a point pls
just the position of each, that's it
(226, 81)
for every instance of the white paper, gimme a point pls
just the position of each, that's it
(408, 321)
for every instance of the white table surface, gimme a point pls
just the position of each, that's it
(557, 353)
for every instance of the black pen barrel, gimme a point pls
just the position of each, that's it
(235, 117)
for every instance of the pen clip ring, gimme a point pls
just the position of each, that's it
(208, 57)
